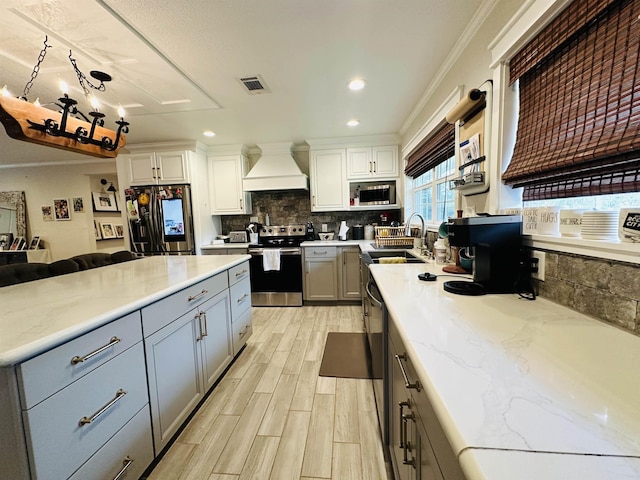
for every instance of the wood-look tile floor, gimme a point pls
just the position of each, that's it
(273, 417)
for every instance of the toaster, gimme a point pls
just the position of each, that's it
(238, 237)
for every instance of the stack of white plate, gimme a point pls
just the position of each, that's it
(600, 225)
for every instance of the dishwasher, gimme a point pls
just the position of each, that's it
(374, 316)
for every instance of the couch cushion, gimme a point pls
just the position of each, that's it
(62, 267)
(22, 272)
(122, 256)
(93, 260)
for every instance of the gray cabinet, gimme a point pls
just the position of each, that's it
(188, 346)
(418, 446)
(349, 258)
(320, 273)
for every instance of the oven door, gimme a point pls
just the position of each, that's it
(276, 287)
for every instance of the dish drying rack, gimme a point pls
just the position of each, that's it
(392, 237)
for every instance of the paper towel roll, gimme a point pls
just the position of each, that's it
(473, 99)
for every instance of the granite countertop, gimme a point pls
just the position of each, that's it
(39, 315)
(523, 389)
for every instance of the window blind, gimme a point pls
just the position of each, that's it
(435, 149)
(579, 122)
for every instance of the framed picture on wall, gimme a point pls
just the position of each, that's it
(107, 230)
(78, 205)
(119, 229)
(104, 202)
(47, 213)
(61, 209)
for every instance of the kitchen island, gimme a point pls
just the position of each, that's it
(521, 389)
(89, 360)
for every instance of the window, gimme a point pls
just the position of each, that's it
(430, 195)
(579, 121)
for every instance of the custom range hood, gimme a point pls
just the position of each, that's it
(275, 170)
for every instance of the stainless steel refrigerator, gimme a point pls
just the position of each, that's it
(160, 219)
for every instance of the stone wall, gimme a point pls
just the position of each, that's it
(604, 289)
(294, 207)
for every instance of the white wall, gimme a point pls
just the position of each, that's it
(43, 184)
(470, 69)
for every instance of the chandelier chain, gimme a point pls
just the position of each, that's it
(36, 69)
(82, 79)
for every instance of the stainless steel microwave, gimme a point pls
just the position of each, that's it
(383, 194)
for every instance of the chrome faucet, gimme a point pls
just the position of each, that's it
(407, 230)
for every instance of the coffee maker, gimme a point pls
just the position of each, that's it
(497, 247)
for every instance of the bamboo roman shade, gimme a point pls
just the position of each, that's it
(434, 150)
(579, 122)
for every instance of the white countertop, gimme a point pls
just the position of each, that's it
(39, 315)
(504, 373)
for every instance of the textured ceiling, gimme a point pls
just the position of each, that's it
(176, 65)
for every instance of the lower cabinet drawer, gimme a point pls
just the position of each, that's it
(129, 451)
(69, 427)
(166, 310)
(242, 329)
(240, 298)
(239, 272)
(45, 374)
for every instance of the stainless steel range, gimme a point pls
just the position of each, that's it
(276, 266)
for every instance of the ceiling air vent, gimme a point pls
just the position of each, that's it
(254, 85)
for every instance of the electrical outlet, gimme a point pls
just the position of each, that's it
(539, 275)
(324, 227)
(253, 219)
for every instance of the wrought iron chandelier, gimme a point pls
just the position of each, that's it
(69, 128)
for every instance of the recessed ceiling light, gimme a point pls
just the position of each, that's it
(356, 84)
(353, 123)
(209, 133)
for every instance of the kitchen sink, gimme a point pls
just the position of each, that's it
(377, 255)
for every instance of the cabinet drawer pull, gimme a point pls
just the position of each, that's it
(126, 463)
(401, 424)
(75, 360)
(324, 252)
(197, 295)
(243, 332)
(407, 444)
(407, 384)
(86, 420)
(243, 298)
(243, 272)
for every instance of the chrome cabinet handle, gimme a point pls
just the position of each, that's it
(242, 298)
(241, 204)
(407, 444)
(126, 463)
(206, 327)
(374, 167)
(239, 274)
(313, 197)
(370, 169)
(324, 252)
(87, 420)
(402, 432)
(370, 295)
(244, 331)
(75, 360)
(407, 384)
(197, 295)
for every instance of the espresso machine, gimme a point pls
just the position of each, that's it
(496, 242)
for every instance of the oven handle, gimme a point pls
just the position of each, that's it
(283, 251)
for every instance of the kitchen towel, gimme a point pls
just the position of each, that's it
(393, 260)
(271, 259)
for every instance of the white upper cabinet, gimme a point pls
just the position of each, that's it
(329, 186)
(372, 162)
(158, 168)
(225, 179)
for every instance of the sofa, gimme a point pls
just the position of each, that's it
(27, 272)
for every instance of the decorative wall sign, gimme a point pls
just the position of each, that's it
(119, 230)
(47, 213)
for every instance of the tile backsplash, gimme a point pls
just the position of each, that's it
(605, 289)
(294, 207)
